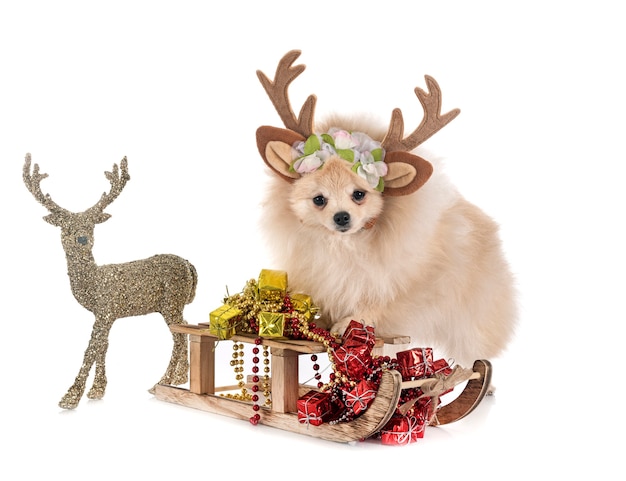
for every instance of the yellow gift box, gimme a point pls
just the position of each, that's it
(271, 324)
(223, 321)
(303, 304)
(272, 285)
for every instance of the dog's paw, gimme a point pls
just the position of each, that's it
(338, 328)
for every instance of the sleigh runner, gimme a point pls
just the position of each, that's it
(202, 393)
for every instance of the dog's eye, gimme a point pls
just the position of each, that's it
(358, 195)
(319, 200)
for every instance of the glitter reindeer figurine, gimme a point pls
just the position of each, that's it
(162, 283)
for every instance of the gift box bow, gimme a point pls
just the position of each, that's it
(360, 397)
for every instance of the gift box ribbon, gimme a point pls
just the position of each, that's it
(362, 399)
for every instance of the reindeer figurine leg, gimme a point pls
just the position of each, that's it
(180, 373)
(95, 353)
(100, 379)
(177, 371)
(174, 301)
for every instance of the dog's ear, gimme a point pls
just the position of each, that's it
(406, 173)
(275, 145)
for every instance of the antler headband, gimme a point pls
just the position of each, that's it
(406, 172)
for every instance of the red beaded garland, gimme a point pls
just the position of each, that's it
(255, 387)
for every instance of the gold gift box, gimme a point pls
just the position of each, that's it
(271, 324)
(303, 304)
(223, 321)
(272, 285)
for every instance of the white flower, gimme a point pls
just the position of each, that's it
(307, 164)
(366, 158)
(364, 143)
(297, 149)
(372, 171)
(343, 139)
(326, 151)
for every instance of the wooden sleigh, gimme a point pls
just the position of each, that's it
(286, 389)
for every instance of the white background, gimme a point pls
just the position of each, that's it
(539, 145)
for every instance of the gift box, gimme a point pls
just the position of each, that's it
(358, 333)
(424, 409)
(271, 324)
(272, 285)
(359, 398)
(415, 363)
(353, 361)
(314, 407)
(303, 304)
(223, 321)
(441, 366)
(401, 430)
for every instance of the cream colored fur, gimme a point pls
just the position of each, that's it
(431, 267)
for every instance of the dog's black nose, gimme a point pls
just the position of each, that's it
(342, 219)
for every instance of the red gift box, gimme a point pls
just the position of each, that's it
(402, 430)
(357, 334)
(441, 366)
(353, 361)
(424, 409)
(314, 407)
(361, 396)
(415, 363)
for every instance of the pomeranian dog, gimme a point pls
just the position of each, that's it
(375, 233)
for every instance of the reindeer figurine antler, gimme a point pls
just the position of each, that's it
(162, 283)
(406, 172)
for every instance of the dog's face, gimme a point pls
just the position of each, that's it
(335, 198)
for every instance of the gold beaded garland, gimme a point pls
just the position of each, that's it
(237, 362)
(266, 385)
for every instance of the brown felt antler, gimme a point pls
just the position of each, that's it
(432, 122)
(408, 172)
(278, 94)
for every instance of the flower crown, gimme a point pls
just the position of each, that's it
(365, 154)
